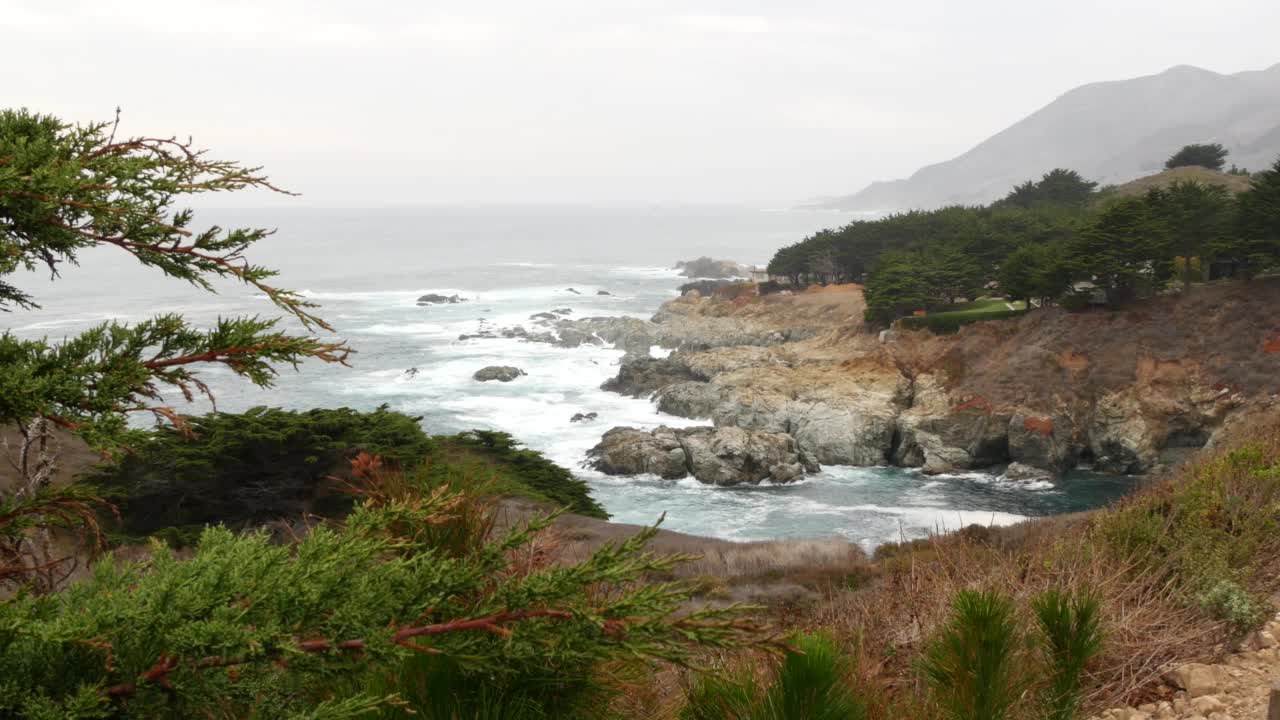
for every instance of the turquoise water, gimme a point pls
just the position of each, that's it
(366, 268)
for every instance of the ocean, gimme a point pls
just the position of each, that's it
(367, 267)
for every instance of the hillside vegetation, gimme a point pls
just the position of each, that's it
(244, 470)
(1056, 240)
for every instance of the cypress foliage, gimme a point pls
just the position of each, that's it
(262, 465)
(544, 478)
(249, 627)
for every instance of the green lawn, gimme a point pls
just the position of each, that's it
(951, 319)
(980, 307)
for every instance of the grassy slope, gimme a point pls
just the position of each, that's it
(1234, 184)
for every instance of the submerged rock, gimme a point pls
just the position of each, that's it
(584, 417)
(716, 456)
(501, 373)
(1023, 473)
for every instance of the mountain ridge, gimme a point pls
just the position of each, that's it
(1111, 131)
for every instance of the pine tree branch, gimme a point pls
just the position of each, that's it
(159, 672)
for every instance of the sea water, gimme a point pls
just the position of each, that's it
(366, 269)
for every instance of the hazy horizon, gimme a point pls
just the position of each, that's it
(664, 104)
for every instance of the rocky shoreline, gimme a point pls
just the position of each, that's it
(808, 384)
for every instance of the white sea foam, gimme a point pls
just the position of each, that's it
(645, 272)
(406, 329)
(70, 322)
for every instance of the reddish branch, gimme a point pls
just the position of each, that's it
(43, 197)
(159, 672)
(220, 355)
(228, 356)
(23, 570)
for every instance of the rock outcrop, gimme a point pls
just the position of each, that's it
(641, 377)
(501, 373)
(717, 456)
(705, 267)
(864, 410)
(437, 299)
(941, 437)
(841, 414)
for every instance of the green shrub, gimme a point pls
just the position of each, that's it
(814, 681)
(1070, 636)
(245, 469)
(1204, 535)
(518, 466)
(971, 667)
(1227, 600)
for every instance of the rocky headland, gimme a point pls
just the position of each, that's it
(1122, 392)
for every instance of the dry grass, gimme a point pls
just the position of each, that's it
(775, 573)
(1148, 623)
(1234, 184)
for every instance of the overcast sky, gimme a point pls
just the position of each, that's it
(599, 101)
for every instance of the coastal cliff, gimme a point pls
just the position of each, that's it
(1124, 392)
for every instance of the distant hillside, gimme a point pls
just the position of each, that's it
(1112, 132)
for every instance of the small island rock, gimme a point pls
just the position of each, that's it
(713, 455)
(437, 299)
(501, 373)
